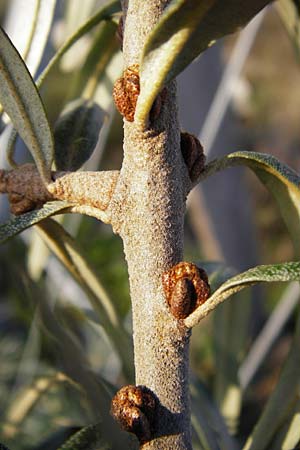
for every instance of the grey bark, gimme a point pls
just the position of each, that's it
(147, 211)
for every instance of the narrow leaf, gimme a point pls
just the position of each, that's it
(21, 101)
(279, 179)
(20, 223)
(207, 420)
(289, 271)
(104, 13)
(67, 251)
(34, 18)
(89, 437)
(281, 400)
(289, 12)
(185, 30)
(76, 134)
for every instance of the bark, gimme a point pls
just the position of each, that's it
(147, 210)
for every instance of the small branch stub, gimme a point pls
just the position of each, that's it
(193, 155)
(186, 287)
(134, 407)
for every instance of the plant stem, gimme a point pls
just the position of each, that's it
(148, 208)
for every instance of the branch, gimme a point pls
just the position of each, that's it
(90, 191)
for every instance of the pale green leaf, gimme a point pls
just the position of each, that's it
(67, 251)
(289, 12)
(20, 99)
(20, 223)
(289, 271)
(207, 421)
(104, 13)
(281, 400)
(76, 134)
(185, 30)
(280, 180)
(288, 435)
(96, 69)
(75, 364)
(34, 18)
(89, 437)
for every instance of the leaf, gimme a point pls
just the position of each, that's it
(21, 101)
(207, 420)
(20, 223)
(76, 134)
(67, 251)
(289, 434)
(104, 13)
(281, 400)
(279, 179)
(34, 18)
(289, 13)
(88, 438)
(96, 68)
(76, 366)
(185, 30)
(289, 271)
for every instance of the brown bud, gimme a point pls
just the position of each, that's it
(186, 287)
(193, 155)
(126, 92)
(134, 409)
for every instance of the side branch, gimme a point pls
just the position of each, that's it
(26, 190)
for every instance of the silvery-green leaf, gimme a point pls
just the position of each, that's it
(281, 401)
(289, 12)
(21, 223)
(76, 134)
(289, 271)
(104, 13)
(89, 437)
(207, 421)
(184, 31)
(69, 254)
(20, 99)
(279, 179)
(34, 18)
(97, 65)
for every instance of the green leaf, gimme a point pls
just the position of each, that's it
(207, 421)
(279, 179)
(281, 400)
(21, 101)
(96, 68)
(75, 363)
(76, 134)
(67, 251)
(88, 438)
(185, 30)
(288, 436)
(289, 271)
(289, 12)
(104, 13)
(34, 18)
(20, 223)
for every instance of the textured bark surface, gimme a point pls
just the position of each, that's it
(147, 211)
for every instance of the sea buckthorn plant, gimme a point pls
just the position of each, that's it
(135, 51)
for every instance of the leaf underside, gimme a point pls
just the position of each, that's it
(185, 30)
(20, 223)
(21, 101)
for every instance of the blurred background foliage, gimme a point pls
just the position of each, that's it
(48, 327)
